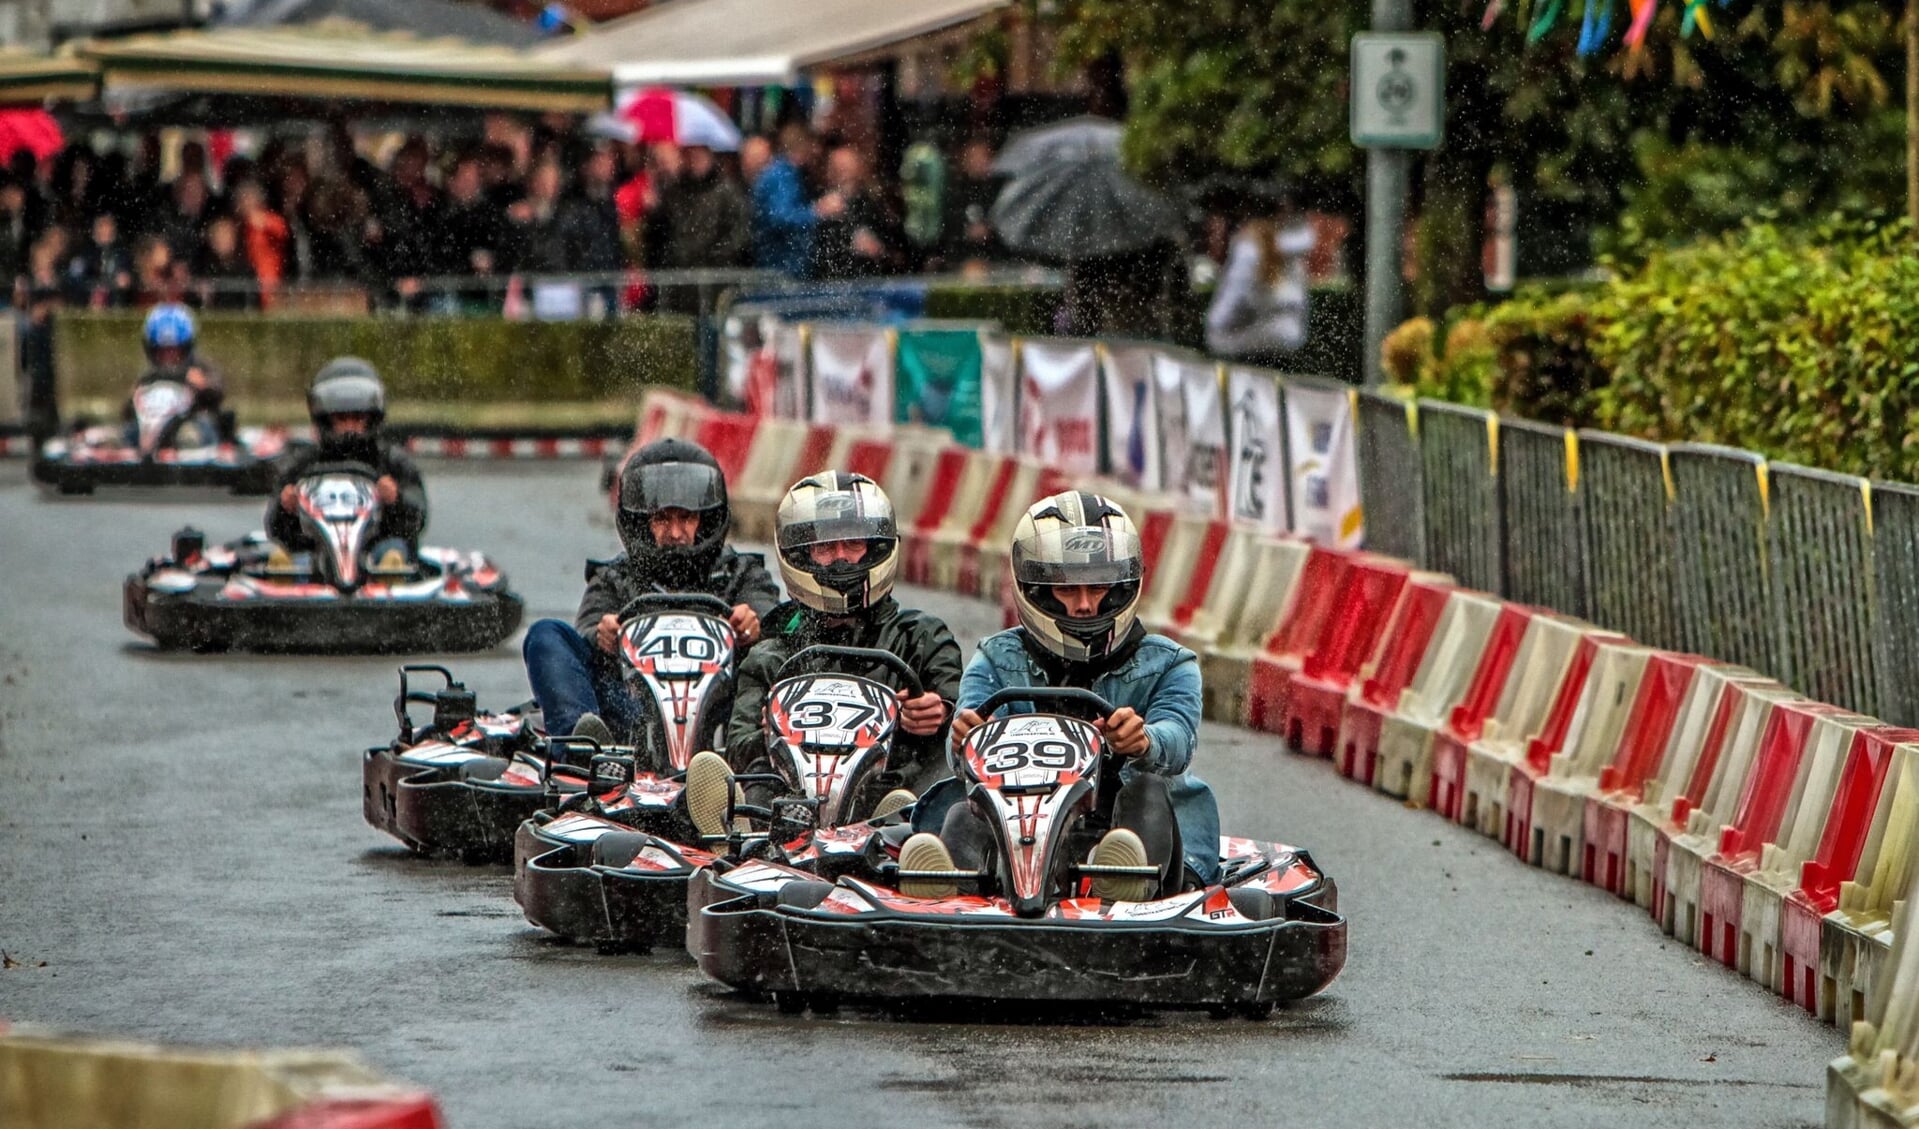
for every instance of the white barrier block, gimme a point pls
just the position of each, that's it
(1558, 818)
(1445, 672)
(1544, 653)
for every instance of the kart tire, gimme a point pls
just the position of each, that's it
(208, 646)
(790, 1003)
(616, 849)
(1253, 904)
(803, 895)
(74, 486)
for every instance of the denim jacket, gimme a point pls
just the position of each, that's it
(1160, 680)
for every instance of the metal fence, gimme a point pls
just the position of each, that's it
(1805, 575)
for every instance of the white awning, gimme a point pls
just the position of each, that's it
(751, 42)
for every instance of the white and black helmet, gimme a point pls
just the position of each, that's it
(1071, 539)
(837, 506)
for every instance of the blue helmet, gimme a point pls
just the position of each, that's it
(169, 326)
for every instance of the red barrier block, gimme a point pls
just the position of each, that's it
(1637, 759)
(1859, 803)
(728, 436)
(1392, 670)
(917, 562)
(869, 457)
(1770, 784)
(1468, 719)
(419, 1112)
(1312, 699)
(1516, 830)
(1298, 633)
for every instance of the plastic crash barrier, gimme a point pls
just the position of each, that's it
(1636, 759)
(1855, 938)
(1546, 800)
(1298, 633)
(1471, 649)
(1313, 697)
(54, 1081)
(1277, 566)
(1379, 683)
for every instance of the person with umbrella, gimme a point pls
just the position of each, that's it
(1258, 313)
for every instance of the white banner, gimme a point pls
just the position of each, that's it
(1257, 486)
(1205, 437)
(852, 375)
(1169, 412)
(1059, 405)
(1324, 471)
(999, 395)
(1132, 418)
(785, 352)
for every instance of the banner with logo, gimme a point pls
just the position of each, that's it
(939, 381)
(1256, 485)
(999, 394)
(1324, 468)
(852, 375)
(1132, 416)
(1059, 405)
(1205, 436)
(1169, 413)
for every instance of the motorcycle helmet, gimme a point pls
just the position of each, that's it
(1072, 539)
(673, 474)
(347, 386)
(168, 326)
(837, 506)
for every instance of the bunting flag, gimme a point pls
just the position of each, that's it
(1493, 9)
(1544, 21)
(1642, 14)
(1695, 16)
(1595, 27)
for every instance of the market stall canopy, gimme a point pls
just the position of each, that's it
(342, 61)
(470, 22)
(752, 42)
(27, 78)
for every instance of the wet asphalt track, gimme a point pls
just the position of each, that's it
(181, 844)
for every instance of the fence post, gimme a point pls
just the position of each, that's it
(1459, 458)
(1627, 501)
(1721, 562)
(1545, 546)
(1821, 546)
(1390, 475)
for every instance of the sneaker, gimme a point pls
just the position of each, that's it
(1120, 847)
(896, 800)
(924, 851)
(393, 560)
(708, 780)
(279, 560)
(594, 728)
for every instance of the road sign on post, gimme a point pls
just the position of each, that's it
(1398, 89)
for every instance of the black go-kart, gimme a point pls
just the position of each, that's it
(461, 786)
(175, 444)
(251, 595)
(1024, 929)
(599, 870)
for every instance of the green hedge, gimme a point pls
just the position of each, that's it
(423, 360)
(1800, 344)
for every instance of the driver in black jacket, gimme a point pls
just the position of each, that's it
(673, 521)
(348, 404)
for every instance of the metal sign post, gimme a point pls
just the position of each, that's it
(1398, 103)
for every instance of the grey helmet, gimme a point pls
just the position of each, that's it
(343, 386)
(1076, 538)
(837, 506)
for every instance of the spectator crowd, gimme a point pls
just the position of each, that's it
(109, 230)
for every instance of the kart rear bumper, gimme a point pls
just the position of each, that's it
(433, 810)
(242, 476)
(200, 621)
(561, 890)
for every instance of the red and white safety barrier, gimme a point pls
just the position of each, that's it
(1380, 683)
(1455, 688)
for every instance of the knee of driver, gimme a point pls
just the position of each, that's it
(543, 636)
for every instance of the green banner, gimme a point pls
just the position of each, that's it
(939, 381)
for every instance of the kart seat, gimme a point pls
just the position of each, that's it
(484, 768)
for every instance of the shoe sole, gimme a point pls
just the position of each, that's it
(926, 852)
(707, 780)
(893, 801)
(1120, 847)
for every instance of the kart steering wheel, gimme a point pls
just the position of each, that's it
(872, 655)
(1043, 695)
(701, 602)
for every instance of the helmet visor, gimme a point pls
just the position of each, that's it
(348, 395)
(837, 517)
(672, 486)
(1078, 555)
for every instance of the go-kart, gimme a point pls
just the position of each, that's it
(464, 783)
(607, 870)
(175, 444)
(251, 595)
(1023, 929)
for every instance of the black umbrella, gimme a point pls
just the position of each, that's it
(1081, 209)
(1072, 139)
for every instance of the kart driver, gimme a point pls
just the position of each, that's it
(1077, 571)
(838, 552)
(673, 521)
(347, 403)
(168, 338)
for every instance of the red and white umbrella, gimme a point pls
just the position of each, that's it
(659, 113)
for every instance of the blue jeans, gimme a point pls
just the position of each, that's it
(571, 676)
